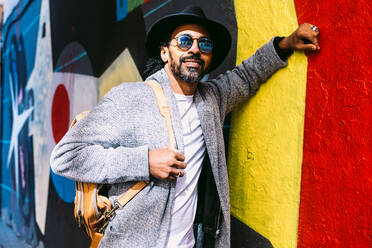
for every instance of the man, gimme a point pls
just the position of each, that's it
(124, 138)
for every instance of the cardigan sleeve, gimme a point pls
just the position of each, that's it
(243, 81)
(91, 150)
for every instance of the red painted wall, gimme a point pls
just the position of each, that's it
(335, 207)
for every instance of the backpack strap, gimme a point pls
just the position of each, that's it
(137, 187)
(163, 107)
(78, 117)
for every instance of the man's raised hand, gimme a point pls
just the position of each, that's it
(304, 38)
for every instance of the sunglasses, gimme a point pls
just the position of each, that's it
(185, 41)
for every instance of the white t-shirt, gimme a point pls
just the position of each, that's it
(186, 195)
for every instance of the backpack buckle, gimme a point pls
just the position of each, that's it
(108, 216)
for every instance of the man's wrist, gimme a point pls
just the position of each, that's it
(281, 48)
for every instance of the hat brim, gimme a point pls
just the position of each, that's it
(161, 31)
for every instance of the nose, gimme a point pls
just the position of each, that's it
(194, 48)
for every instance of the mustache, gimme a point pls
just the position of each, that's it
(193, 57)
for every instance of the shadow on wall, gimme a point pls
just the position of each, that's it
(245, 237)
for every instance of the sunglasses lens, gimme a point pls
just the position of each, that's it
(185, 42)
(205, 45)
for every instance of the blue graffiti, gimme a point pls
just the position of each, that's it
(73, 60)
(17, 156)
(157, 8)
(121, 9)
(65, 187)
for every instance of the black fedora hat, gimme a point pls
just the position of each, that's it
(162, 29)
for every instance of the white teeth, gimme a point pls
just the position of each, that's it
(195, 62)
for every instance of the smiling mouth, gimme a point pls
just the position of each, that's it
(192, 63)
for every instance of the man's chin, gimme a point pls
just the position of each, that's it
(190, 77)
(194, 71)
(190, 74)
(194, 76)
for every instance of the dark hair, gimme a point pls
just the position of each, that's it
(154, 64)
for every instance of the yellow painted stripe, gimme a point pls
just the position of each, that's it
(265, 153)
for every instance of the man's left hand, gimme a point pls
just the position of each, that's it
(305, 38)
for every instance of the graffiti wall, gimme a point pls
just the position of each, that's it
(59, 59)
(298, 151)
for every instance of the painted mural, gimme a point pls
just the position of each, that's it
(59, 59)
(298, 151)
(303, 143)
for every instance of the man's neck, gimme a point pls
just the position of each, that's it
(179, 86)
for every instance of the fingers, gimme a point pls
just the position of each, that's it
(175, 173)
(172, 178)
(177, 160)
(313, 35)
(179, 156)
(176, 154)
(306, 47)
(179, 164)
(170, 173)
(308, 37)
(177, 167)
(165, 163)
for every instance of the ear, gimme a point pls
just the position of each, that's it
(164, 54)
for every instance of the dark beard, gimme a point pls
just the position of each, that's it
(192, 75)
